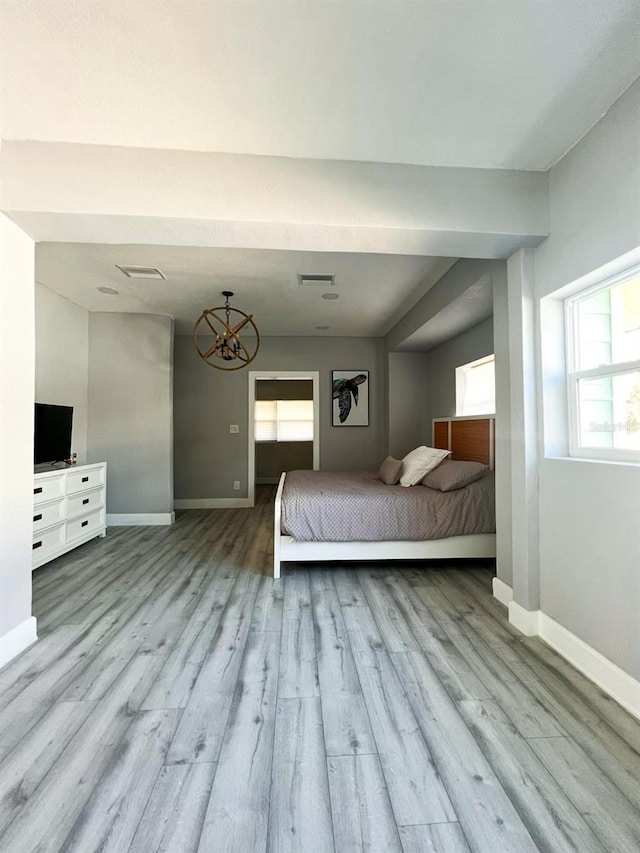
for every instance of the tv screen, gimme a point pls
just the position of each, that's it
(52, 440)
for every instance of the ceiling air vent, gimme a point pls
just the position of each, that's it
(142, 272)
(316, 280)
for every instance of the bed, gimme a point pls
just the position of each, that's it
(469, 439)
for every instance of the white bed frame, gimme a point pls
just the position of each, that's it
(477, 545)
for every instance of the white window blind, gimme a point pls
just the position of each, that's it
(476, 387)
(284, 420)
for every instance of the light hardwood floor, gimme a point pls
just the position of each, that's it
(181, 700)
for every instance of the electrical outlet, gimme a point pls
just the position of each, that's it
(234, 428)
(236, 485)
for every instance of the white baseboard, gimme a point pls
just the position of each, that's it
(607, 675)
(614, 681)
(527, 621)
(17, 640)
(211, 503)
(502, 592)
(139, 519)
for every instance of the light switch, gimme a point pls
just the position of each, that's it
(233, 428)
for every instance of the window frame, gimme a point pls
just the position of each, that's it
(573, 375)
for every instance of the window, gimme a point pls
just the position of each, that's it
(476, 387)
(603, 368)
(284, 420)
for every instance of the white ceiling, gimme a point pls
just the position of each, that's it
(479, 83)
(471, 307)
(508, 84)
(374, 290)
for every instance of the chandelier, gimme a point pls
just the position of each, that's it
(228, 351)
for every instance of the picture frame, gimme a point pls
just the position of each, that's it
(350, 398)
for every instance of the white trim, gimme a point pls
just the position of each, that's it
(614, 681)
(599, 284)
(475, 546)
(527, 621)
(502, 592)
(465, 418)
(605, 454)
(17, 640)
(139, 519)
(212, 503)
(606, 370)
(254, 375)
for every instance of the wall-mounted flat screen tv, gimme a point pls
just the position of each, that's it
(52, 439)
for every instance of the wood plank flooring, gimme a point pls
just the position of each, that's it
(180, 700)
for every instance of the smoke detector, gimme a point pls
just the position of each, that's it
(142, 272)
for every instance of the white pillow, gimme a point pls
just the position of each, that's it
(419, 462)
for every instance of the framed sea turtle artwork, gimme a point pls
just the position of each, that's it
(350, 397)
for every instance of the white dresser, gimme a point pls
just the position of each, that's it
(69, 508)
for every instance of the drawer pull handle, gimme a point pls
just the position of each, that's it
(38, 491)
(37, 545)
(85, 479)
(84, 523)
(38, 517)
(85, 501)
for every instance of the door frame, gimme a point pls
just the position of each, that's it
(254, 376)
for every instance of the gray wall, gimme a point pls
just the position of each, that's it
(421, 385)
(589, 511)
(208, 458)
(284, 389)
(273, 458)
(462, 276)
(408, 402)
(62, 359)
(131, 409)
(443, 360)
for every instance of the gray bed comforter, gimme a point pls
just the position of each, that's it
(354, 506)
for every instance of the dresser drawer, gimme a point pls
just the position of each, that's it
(48, 542)
(85, 478)
(84, 524)
(44, 515)
(48, 488)
(84, 502)
(69, 508)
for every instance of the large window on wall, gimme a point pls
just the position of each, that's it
(603, 369)
(476, 387)
(284, 420)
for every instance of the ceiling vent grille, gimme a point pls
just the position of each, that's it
(316, 280)
(142, 272)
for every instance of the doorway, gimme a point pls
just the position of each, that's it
(272, 379)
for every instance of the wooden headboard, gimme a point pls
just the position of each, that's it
(471, 438)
